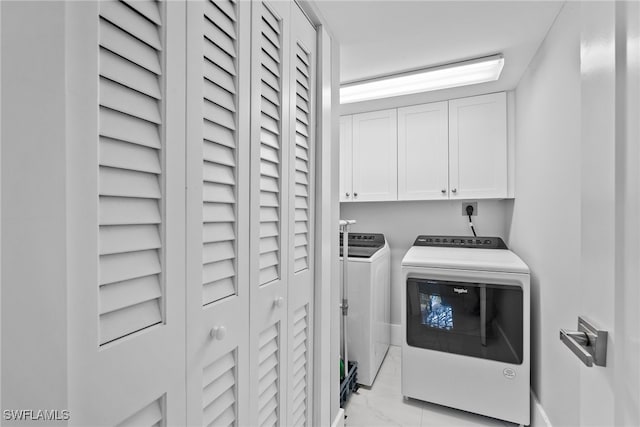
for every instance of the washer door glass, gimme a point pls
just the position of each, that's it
(473, 319)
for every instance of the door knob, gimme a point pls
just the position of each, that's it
(455, 190)
(218, 332)
(444, 191)
(277, 301)
(355, 194)
(346, 194)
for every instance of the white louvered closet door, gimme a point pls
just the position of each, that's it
(269, 212)
(128, 310)
(218, 43)
(301, 215)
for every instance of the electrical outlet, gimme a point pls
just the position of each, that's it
(474, 205)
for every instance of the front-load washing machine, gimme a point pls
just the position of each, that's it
(465, 326)
(368, 319)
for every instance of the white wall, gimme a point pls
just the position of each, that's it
(545, 226)
(402, 222)
(34, 299)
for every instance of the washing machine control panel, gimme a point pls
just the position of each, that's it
(363, 245)
(461, 242)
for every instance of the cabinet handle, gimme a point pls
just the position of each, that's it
(444, 191)
(346, 194)
(218, 332)
(454, 190)
(355, 194)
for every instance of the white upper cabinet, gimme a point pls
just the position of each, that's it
(346, 167)
(478, 147)
(446, 150)
(375, 156)
(423, 172)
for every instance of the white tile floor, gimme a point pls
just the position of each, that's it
(383, 405)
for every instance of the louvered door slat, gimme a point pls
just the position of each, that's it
(219, 148)
(228, 7)
(218, 114)
(219, 95)
(300, 365)
(128, 183)
(268, 394)
(214, 252)
(218, 388)
(131, 292)
(123, 127)
(147, 8)
(219, 193)
(217, 290)
(218, 232)
(136, 24)
(220, 77)
(124, 211)
(217, 212)
(129, 74)
(219, 153)
(222, 174)
(216, 55)
(150, 415)
(133, 318)
(130, 168)
(214, 133)
(219, 391)
(121, 98)
(123, 155)
(270, 67)
(128, 238)
(215, 14)
(128, 265)
(221, 39)
(271, 20)
(128, 47)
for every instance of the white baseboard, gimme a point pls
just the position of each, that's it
(339, 421)
(396, 334)
(539, 417)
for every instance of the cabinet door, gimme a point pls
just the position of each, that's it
(478, 147)
(346, 160)
(218, 67)
(423, 153)
(375, 156)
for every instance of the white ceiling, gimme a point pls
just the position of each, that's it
(380, 37)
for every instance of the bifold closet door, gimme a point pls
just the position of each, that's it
(269, 248)
(125, 201)
(218, 56)
(301, 218)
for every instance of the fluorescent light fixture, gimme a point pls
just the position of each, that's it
(465, 73)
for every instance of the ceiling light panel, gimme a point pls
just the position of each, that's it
(481, 70)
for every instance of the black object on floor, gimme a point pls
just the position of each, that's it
(349, 384)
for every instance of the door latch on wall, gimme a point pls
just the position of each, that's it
(588, 343)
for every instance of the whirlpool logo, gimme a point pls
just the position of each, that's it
(460, 290)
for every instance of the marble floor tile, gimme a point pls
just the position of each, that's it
(383, 404)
